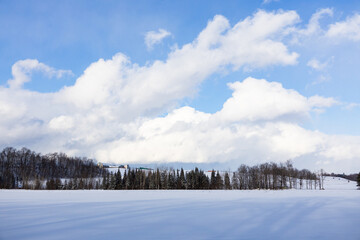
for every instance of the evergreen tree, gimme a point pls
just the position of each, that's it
(118, 180)
(172, 180)
(213, 180)
(219, 181)
(124, 180)
(164, 180)
(235, 181)
(182, 179)
(112, 181)
(137, 179)
(227, 181)
(128, 182)
(204, 181)
(151, 177)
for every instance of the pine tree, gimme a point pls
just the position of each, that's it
(124, 180)
(172, 181)
(178, 182)
(164, 180)
(118, 180)
(182, 179)
(213, 180)
(235, 181)
(112, 181)
(205, 183)
(128, 181)
(227, 181)
(219, 181)
(151, 177)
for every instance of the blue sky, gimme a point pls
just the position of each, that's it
(70, 36)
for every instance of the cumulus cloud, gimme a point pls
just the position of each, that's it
(116, 91)
(188, 135)
(22, 70)
(61, 123)
(111, 112)
(256, 100)
(155, 37)
(348, 29)
(158, 86)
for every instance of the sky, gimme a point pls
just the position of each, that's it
(211, 83)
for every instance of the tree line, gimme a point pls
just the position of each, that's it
(263, 176)
(26, 169)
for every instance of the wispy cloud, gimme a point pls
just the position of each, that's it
(269, 1)
(316, 64)
(155, 37)
(321, 67)
(350, 106)
(22, 70)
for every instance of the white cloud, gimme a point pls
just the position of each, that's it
(350, 106)
(111, 112)
(319, 102)
(313, 26)
(188, 135)
(269, 1)
(255, 100)
(342, 148)
(316, 64)
(321, 68)
(155, 37)
(61, 123)
(22, 70)
(158, 86)
(348, 29)
(115, 91)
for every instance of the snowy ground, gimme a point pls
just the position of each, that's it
(287, 214)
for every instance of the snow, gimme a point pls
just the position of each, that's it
(258, 214)
(337, 183)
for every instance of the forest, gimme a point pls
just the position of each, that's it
(27, 169)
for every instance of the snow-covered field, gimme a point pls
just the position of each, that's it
(288, 214)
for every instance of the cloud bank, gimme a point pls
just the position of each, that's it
(112, 111)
